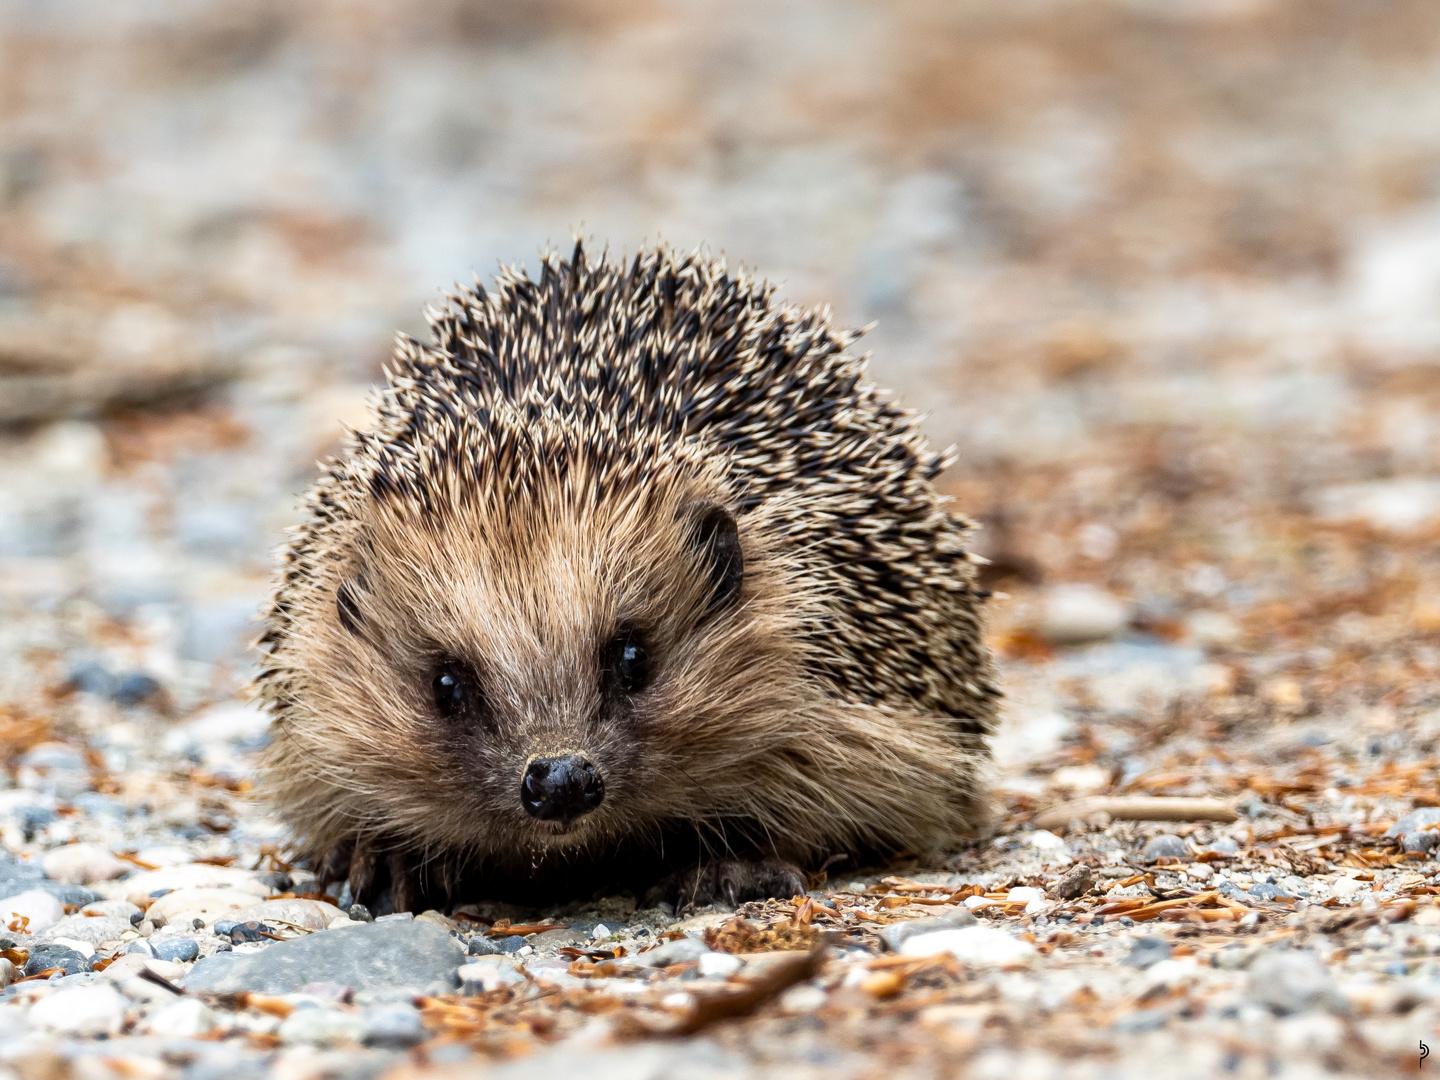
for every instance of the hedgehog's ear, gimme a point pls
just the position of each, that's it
(718, 537)
(347, 608)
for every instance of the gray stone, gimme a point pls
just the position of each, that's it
(1142, 1020)
(1293, 885)
(1423, 840)
(134, 689)
(44, 957)
(364, 956)
(673, 952)
(1164, 846)
(83, 928)
(1263, 890)
(177, 950)
(480, 945)
(1075, 884)
(1231, 891)
(489, 973)
(320, 1026)
(896, 934)
(19, 877)
(1289, 981)
(1414, 821)
(1146, 952)
(394, 1027)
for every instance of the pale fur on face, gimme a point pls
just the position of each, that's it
(528, 580)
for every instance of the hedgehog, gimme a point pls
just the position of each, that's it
(636, 579)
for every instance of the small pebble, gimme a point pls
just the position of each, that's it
(1164, 846)
(360, 913)
(480, 945)
(96, 1009)
(1074, 614)
(177, 950)
(45, 957)
(1046, 841)
(981, 945)
(718, 965)
(83, 864)
(322, 1027)
(185, 1018)
(41, 908)
(1346, 887)
(805, 998)
(1075, 884)
(1421, 818)
(393, 1027)
(487, 974)
(679, 951)
(897, 933)
(1292, 981)
(1146, 952)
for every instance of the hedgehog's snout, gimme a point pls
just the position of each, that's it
(561, 788)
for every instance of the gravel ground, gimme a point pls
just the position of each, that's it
(1165, 274)
(1212, 854)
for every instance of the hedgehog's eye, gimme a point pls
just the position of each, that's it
(454, 687)
(629, 662)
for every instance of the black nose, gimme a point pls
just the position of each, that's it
(561, 788)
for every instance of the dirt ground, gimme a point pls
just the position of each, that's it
(1167, 274)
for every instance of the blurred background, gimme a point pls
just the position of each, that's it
(1166, 272)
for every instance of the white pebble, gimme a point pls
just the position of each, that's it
(489, 973)
(1045, 840)
(83, 864)
(84, 948)
(973, 945)
(8, 974)
(1074, 614)
(1344, 887)
(1199, 871)
(167, 855)
(719, 965)
(183, 906)
(973, 902)
(324, 1027)
(186, 1018)
(600, 932)
(38, 906)
(804, 998)
(137, 889)
(96, 1009)
(1026, 893)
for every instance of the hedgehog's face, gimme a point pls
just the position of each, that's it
(549, 678)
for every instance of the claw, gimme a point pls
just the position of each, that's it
(362, 871)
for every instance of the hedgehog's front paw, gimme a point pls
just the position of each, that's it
(368, 867)
(729, 881)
